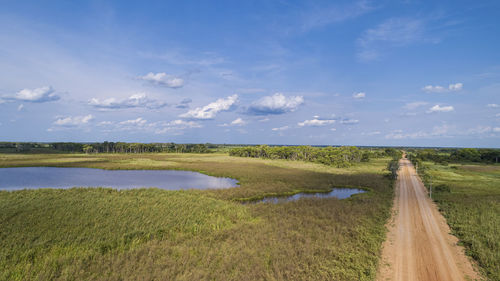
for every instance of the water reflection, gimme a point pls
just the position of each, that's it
(340, 193)
(51, 177)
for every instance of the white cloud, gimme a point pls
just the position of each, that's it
(397, 135)
(281, 128)
(20, 107)
(184, 124)
(493, 105)
(481, 130)
(455, 87)
(134, 122)
(135, 101)
(236, 122)
(438, 108)
(373, 133)
(349, 121)
(43, 94)
(142, 125)
(359, 95)
(163, 79)
(210, 111)
(275, 104)
(176, 125)
(434, 89)
(316, 122)
(414, 105)
(134, 125)
(439, 89)
(72, 121)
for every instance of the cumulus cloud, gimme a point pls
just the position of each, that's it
(38, 95)
(359, 95)
(163, 79)
(210, 111)
(236, 122)
(493, 105)
(316, 122)
(275, 104)
(347, 121)
(438, 108)
(134, 101)
(439, 89)
(72, 121)
(455, 87)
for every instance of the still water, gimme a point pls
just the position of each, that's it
(51, 177)
(340, 193)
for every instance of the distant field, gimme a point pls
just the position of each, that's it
(469, 197)
(103, 234)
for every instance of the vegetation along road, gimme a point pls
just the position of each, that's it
(418, 245)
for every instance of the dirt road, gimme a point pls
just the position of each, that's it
(418, 244)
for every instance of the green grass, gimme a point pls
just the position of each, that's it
(472, 209)
(151, 234)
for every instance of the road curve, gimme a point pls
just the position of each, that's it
(418, 244)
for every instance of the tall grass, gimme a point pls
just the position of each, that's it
(469, 198)
(151, 234)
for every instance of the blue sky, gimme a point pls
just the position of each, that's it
(419, 73)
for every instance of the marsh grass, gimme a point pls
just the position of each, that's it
(152, 234)
(469, 198)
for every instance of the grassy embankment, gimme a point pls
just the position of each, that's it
(104, 234)
(469, 197)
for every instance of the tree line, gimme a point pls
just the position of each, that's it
(457, 155)
(343, 156)
(105, 147)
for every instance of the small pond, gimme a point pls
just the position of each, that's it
(340, 193)
(51, 177)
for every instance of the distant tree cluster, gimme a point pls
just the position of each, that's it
(122, 147)
(335, 156)
(105, 147)
(447, 155)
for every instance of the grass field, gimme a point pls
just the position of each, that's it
(151, 234)
(469, 197)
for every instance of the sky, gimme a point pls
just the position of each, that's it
(389, 73)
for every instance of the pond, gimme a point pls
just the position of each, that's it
(340, 193)
(51, 177)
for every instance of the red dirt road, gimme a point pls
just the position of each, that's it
(418, 244)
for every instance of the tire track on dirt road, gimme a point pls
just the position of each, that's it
(419, 245)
